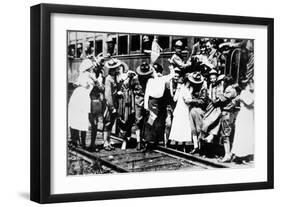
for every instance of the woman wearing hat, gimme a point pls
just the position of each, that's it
(211, 120)
(181, 130)
(125, 79)
(79, 104)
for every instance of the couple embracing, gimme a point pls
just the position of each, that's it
(190, 97)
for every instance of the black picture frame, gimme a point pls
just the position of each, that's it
(41, 102)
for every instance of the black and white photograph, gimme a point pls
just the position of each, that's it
(140, 102)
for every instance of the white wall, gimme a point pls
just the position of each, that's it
(14, 110)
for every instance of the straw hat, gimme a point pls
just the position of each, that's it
(144, 69)
(113, 63)
(100, 58)
(213, 71)
(195, 78)
(221, 77)
(85, 65)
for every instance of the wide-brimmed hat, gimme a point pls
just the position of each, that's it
(177, 70)
(113, 63)
(85, 65)
(195, 77)
(144, 69)
(213, 72)
(221, 77)
(99, 58)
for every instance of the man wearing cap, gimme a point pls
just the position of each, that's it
(146, 44)
(197, 107)
(177, 58)
(111, 46)
(111, 95)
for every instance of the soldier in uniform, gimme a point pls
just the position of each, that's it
(197, 107)
(111, 49)
(97, 99)
(144, 72)
(177, 58)
(111, 96)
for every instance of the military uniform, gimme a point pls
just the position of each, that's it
(97, 105)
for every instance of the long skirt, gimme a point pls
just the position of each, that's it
(79, 109)
(211, 120)
(181, 126)
(155, 132)
(244, 139)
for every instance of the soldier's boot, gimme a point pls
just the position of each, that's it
(83, 139)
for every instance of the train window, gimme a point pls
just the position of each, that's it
(79, 50)
(135, 43)
(164, 41)
(71, 51)
(123, 45)
(98, 47)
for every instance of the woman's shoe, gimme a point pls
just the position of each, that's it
(111, 147)
(226, 158)
(139, 146)
(194, 151)
(107, 148)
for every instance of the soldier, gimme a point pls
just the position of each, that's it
(177, 58)
(111, 49)
(197, 107)
(144, 72)
(228, 103)
(97, 99)
(111, 95)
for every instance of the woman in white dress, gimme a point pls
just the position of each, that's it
(243, 143)
(181, 127)
(79, 104)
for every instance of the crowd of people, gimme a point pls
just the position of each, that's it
(193, 103)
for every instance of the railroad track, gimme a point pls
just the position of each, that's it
(159, 159)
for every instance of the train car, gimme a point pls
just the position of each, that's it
(133, 49)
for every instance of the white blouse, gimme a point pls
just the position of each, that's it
(155, 87)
